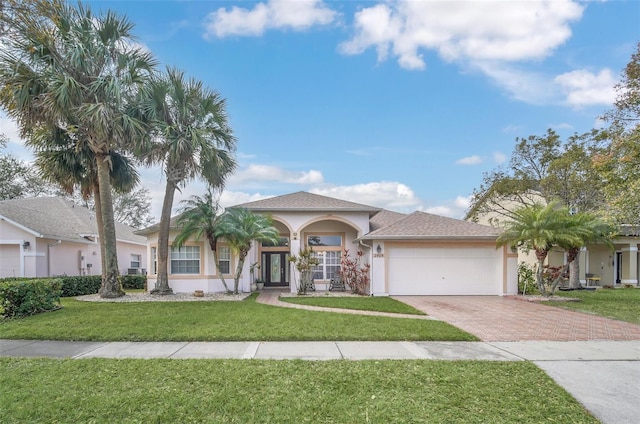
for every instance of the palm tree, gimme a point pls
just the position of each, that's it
(201, 215)
(61, 161)
(589, 229)
(66, 68)
(539, 228)
(191, 138)
(240, 227)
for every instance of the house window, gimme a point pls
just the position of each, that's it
(327, 248)
(135, 261)
(185, 260)
(224, 260)
(154, 258)
(329, 266)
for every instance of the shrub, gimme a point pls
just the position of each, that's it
(22, 297)
(134, 282)
(353, 273)
(80, 285)
(527, 279)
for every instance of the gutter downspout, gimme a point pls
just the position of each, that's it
(49, 246)
(361, 243)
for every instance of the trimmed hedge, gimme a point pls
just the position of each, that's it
(87, 284)
(29, 297)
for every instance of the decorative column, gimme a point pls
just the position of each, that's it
(294, 275)
(632, 276)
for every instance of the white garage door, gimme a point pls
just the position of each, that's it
(444, 271)
(9, 260)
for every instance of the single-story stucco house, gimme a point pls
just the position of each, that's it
(414, 254)
(48, 236)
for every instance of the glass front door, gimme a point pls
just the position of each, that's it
(276, 268)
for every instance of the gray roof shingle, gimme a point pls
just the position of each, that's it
(58, 218)
(303, 201)
(384, 218)
(421, 225)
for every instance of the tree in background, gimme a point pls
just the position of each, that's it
(619, 160)
(542, 170)
(18, 179)
(191, 138)
(65, 68)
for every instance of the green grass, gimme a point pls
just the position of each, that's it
(255, 391)
(379, 304)
(216, 321)
(622, 304)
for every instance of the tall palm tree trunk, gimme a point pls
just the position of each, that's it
(98, 204)
(574, 268)
(541, 255)
(111, 285)
(162, 278)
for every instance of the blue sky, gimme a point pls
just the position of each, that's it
(397, 104)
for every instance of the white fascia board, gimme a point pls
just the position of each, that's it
(20, 226)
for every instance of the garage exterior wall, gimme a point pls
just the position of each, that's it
(443, 268)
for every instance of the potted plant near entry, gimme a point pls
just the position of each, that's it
(259, 283)
(254, 281)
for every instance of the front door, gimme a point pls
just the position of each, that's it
(276, 267)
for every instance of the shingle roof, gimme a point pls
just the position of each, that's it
(303, 201)
(384, 218)
(58, 218)
(421, 225)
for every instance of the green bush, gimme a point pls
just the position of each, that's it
(28, 297)
(527, 279)
(80, 285)
(134, 281)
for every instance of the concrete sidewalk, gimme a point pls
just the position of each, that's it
(602, 375)
(485, 351)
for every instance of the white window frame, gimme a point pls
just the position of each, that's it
(186, 259)
(136, 259)
(224, 257)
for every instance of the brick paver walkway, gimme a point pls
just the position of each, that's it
(494, 318)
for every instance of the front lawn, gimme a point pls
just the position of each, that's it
(622, 304)
(253, 391)
(379, 304)
(216, 321)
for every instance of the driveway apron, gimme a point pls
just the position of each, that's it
(495, 319)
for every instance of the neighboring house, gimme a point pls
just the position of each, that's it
(418, 254)
(599, 265)
(48, 236)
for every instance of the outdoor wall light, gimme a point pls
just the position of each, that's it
(26, 245)
(379, 249)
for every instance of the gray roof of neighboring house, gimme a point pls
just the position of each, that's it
(303, 201)
(58, 218)
(421, 225)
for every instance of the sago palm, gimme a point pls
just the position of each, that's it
(540, 228)
(240, 227)
(201, 215)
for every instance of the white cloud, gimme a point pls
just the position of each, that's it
(469, 160)
(386, 194)
(512, 129)
(522, 85)
(561, 126)
(297, 15)
(463, 31)
(262, 173)
(232, 198)
(499, 157)
(456, 208)
(584, 88)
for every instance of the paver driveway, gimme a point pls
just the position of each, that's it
(494, 318)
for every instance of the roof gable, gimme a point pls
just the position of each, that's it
(303, 201)
(58, 218)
